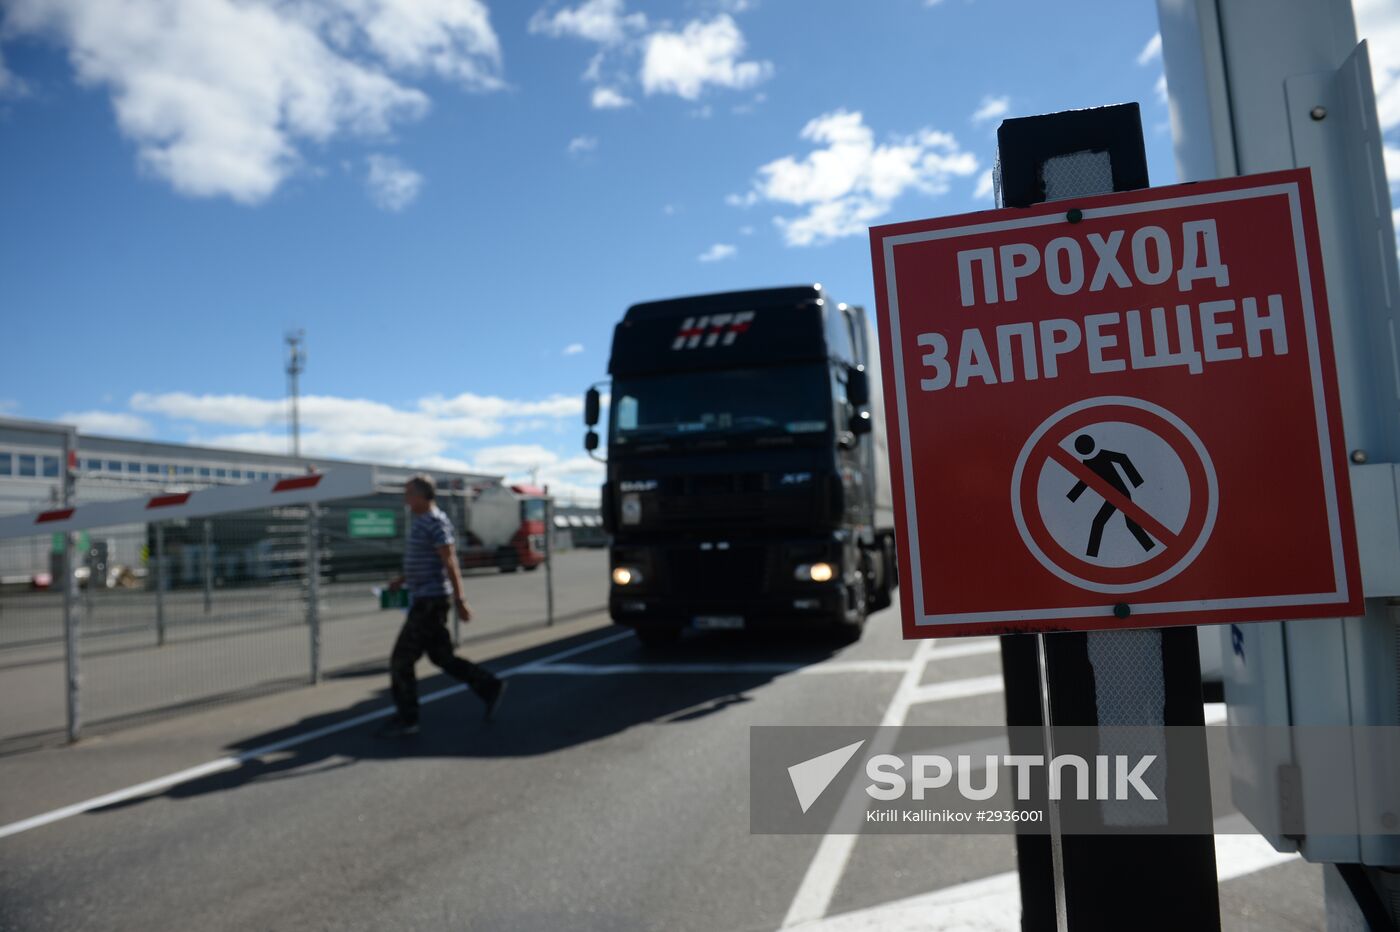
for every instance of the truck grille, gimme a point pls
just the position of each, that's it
(732, 573)
(734, 497)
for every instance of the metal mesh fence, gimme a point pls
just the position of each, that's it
(180, 613)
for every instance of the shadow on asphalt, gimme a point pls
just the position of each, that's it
(542, 713)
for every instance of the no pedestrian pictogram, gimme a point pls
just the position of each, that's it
(1114, 495)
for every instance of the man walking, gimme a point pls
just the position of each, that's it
(429, 566)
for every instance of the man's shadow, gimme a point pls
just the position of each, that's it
(543, 712)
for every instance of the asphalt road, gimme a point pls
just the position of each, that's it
(612, 793)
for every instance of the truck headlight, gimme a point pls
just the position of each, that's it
(814, 572)
(626, 576)
(631, 508)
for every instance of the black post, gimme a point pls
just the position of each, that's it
(1108, 678)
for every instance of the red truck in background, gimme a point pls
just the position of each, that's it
(505, 527)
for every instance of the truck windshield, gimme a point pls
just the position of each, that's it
(726, 402)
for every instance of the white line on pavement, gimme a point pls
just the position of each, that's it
(818, 885)
(236, 760)
(957, 689)
(966, 649)
(609, 669)
(993, 904)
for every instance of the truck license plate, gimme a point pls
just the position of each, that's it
(718, 622)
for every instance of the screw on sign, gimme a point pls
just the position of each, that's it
(1125, 401)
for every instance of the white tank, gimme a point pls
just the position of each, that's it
(494, 515)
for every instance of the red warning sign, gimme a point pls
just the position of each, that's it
(1117, 411)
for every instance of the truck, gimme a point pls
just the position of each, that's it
(747, 480)
(505, 527)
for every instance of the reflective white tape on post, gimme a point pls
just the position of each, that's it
(341, 482)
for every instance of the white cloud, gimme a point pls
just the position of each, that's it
(580, 144)
(602, 21)
(1378, 21)
(718, 252)
(607, 98)
(575, 479)
(1152, 51)
(850, 181)
(992, 108)
(492, 407)
(107, 422)
(220, 95)
(423, 433)
(702, 53)
(573, 349)
(464, 415)
(514, 458)
(1160, 88)
(985, 187)
(746, 230)
(10, 84)
(392, 184)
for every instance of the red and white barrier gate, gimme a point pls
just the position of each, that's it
(341, 482)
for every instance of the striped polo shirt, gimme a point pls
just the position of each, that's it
(423, 571)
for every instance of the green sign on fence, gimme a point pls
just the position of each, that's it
(83, 542)
(372, 522)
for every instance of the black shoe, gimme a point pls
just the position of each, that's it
(397, 728)
(492, 696)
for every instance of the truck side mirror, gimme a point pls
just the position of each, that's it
(861, 423)
(590, 410)
(857, 386)
(590, 441)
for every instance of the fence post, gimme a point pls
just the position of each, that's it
(549, 560)
(313, 589)
(72, 670)
(160, 584)
(208, 566)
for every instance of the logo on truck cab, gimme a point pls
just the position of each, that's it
(711, 330)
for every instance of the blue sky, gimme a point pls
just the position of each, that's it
(457, 199)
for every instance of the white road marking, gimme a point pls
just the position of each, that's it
(993, 904)
(957, 689)
(236, 760)
(971, 648)
(818, 885)
(610, 669)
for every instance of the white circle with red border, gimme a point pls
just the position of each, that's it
(1114, 494)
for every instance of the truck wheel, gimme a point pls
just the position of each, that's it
(852, 624)
(878, 589)
(655, 637)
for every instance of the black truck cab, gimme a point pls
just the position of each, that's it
(745, 469)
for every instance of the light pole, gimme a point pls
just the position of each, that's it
(296, 362)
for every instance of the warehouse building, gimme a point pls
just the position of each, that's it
(110, 469)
